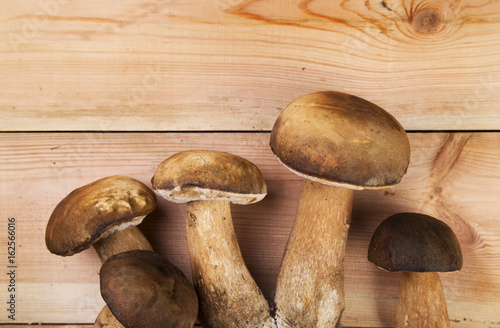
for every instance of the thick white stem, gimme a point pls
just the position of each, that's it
(227, 293)
(128, 239)
(421, 301)
(310, 286)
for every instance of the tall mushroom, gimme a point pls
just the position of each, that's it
(144, 290)
(208, 181)
(339, 143)
(419, 246)
(102, 214)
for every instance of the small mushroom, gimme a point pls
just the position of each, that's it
(102, 214)
(144, 290)
(419, 246)
(208, 181)
(339, 143)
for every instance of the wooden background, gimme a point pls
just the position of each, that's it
(95, 88)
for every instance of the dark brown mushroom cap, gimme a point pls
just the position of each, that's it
(340, 139)
(209, 175)
(415, 242)
(144, 290)
(89, 212)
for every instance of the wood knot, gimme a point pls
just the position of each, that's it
(427, 20)
(437, 190)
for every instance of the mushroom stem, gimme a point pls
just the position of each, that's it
(421, 301)
(124, 240)
(106, 319)
(228, 295)
(310, 286)
(119, 241)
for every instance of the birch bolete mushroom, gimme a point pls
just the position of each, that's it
(144, 290)
(208, 181)
(103, 214)
(419, 246)
(339, 143)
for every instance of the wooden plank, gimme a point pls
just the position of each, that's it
(83, 326)
(455, 177)
(69, 326)
(175, 66)
(48, 326)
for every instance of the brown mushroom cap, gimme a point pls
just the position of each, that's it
(209, 175)
(95, 210)
(144, 290)
(416, 243)
(340, 139)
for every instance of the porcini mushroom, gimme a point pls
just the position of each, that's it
(144, 290)
(339, 143)
(419, 246)
(103, 214)
(208, 181)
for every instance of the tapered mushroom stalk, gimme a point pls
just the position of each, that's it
(102, 214)
(339, 143)
(106, 319)
(310, 286)
(421, 301)
(208, 181)
(419, 246)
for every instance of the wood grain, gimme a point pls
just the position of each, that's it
(453, 176)
(177, 65)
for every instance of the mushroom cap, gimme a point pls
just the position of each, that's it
(96, 210)
(209, 175)
(144, 290)
(416, 243)
(343, 140)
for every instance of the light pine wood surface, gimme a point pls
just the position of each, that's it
(95, 88)
(453, 176)
(175, 65)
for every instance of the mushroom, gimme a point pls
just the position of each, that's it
(419, 246)
(106, 319)
(208, 181)
(339, 143)
(144, 290)
(102, 214)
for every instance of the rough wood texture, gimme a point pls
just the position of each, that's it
(176, 65)
(454, 177)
